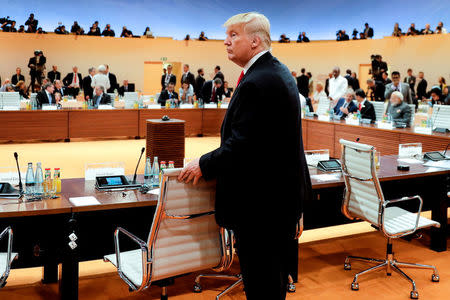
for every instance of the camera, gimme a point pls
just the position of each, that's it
(37, 52)
(6, 20)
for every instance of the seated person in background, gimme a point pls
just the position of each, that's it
(32, 24)
(427, 30)
(364, 106)
(54, 74)
(125, 88)
(302, 38)
(17, 77)
(399, 111)
(101, 78)
(5, 83)
(126, 32)
(58, 97)
(73, 81)
(397, 31)
(168, 94)
(346, 106)
(376, 90)
(202, 37)
(318, 93)
(412, 30)
(186, 92)
(436, 96)
(8, 88)
(59, 88)
(21, 87)
(40, 31)
(440, 28)
(108, 31)
(21, 29)
(75, 27)
(212, 91)
(45, 96)
(227, 91)
(442, 83)
(94, 30)
(148, 33)
(100, 97)
(284, 39)
(61, 30)
(10, 28)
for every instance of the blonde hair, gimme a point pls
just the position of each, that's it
(254, 24)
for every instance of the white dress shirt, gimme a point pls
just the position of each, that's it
(253, 60)
(101, 80)
(337, 87)
(317, 96)
(189, 93)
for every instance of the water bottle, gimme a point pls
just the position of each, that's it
(29, 182)
(307, 109)
(148, 171)
(155, 172)
(48, 184)
(39, 181)
(171, 165)
(358, 115)
(57, 180)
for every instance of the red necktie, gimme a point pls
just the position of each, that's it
(75, 79)
(359, 108)
(213, 96)
(240, 77)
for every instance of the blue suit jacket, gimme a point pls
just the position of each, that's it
(351, 107)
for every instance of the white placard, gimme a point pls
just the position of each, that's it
(154, 106)
(313, 159)
(105, 106)
(84, 201)
(445, 164)
(224, 105)
(423, 130)
(72, 100)
(384, 125)
(410, 150)
(49, 107)
(186, 105)
(7, 107)
(352, 121)
(210, 105)
(325, 118)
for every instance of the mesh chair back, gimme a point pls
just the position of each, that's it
(324, 106)
(379, 109)
(413, 114)
(363, 196)
(441, 116)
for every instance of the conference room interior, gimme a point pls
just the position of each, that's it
(62, 240)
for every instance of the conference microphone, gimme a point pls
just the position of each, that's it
(446, 148)
(438, 129)
(357, 139)
(16, 156)
(135, 171)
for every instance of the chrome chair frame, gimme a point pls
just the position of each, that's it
(390, 263)
(5, 275)
(148, 248)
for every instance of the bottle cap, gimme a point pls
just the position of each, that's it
(171, 162)
(57, 169)
(47, 169)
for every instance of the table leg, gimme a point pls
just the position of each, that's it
(439, 214)
(68, 281)
(50, 273)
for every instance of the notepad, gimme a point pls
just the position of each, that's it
(409, 160)
(444, 164)
(154, 192)
(84, 201)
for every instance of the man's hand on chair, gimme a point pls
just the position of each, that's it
(191, 172)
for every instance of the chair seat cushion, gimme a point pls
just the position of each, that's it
(3, 256)
(131, 263)
(398, 220)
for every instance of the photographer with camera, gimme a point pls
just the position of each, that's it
(8, 25)
(37, 67)
(32, 24)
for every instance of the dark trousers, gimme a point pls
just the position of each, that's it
(72, 91)
(36, 77)
(265, 258)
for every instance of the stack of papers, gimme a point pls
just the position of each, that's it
(443, 164)
(326, 177)
(84, 201)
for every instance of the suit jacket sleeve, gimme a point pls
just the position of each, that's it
(388, 91)
(67, 80)
(352, 107)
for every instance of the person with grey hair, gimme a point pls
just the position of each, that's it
(87, 81)
(337, 85)
(212, 91)
(101, 78)
(254, 130)
(46, 96)
(398, 110)
(100, 97)
(346, 106)
(5, 83)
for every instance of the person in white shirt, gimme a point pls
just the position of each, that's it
(101, 78)
(440, 28)
(186, 92)
(337, 86)
(319, 93)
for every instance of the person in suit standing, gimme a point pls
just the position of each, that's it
(100, 97)
(125, 88)
(37, 67)
(168, 94)
(187, 75)
(212, 91)
(411, 80)
(87, 81)
(218, 74)
(303, 83)
(247, 140)
(421, 87)
(346, 106)
(46, 96)
(368, 31)
(54, 74)
(364, 106)
(112, 81)
(167, 78)
(376, 90)
(17, 77)
(199, 82)
(73, 81)
(401, 87)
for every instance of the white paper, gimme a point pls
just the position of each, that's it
(224, 105)
(154, 192)
(384, 125)
(154, 106)
(444, 164)
(49, 107)
(351, 121)
(186, 105)
(105, 106)
(326, 177)
(84, 201)
(409, 160)
(210, 105)
(325, 118)
(423, 130)
(6, 107)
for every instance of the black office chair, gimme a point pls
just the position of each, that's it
(6, 258)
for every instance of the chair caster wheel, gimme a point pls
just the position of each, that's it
(435, 278)
(355, 286)
(197, 288)
(347, 266)
(414, 295)
(291, 288)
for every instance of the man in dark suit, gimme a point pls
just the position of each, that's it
(100, 97)
(346, 105)
(252, 130)
(17, 77)
(46, 96)
(376, 90)
(168, 94)
(54, 74)
(72, 82)
(187, 75)
(112, 80)
(168, 77)
(218, 74)
(411, 80)
(303, 83)
(327, 84)
(199, 82)
(212, 91)
(126, 88)
(58, 88)
(364, 106)
(37, 67)
(87, 81)
(368, 31)
(421, 87)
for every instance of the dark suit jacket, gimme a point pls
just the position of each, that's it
(32, 61)
(252, 130)
(219, 75)
(129, 89)
(52, 75)
(190, 78)
(422, 89)
(327, 84)
(164, 96)
(411, 82)
(41, 98)
(368, 111)
(207, 92)
(378, 91)
(173, 79)
(69, 77)
(303, 85)
(112, 82)
(15, 80)
(351, 107)
(62, 91)
(199, 82)
(87, 89)
(105, 99)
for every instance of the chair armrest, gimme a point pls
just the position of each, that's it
(142, 245)
(419, 211)
(8, 231)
